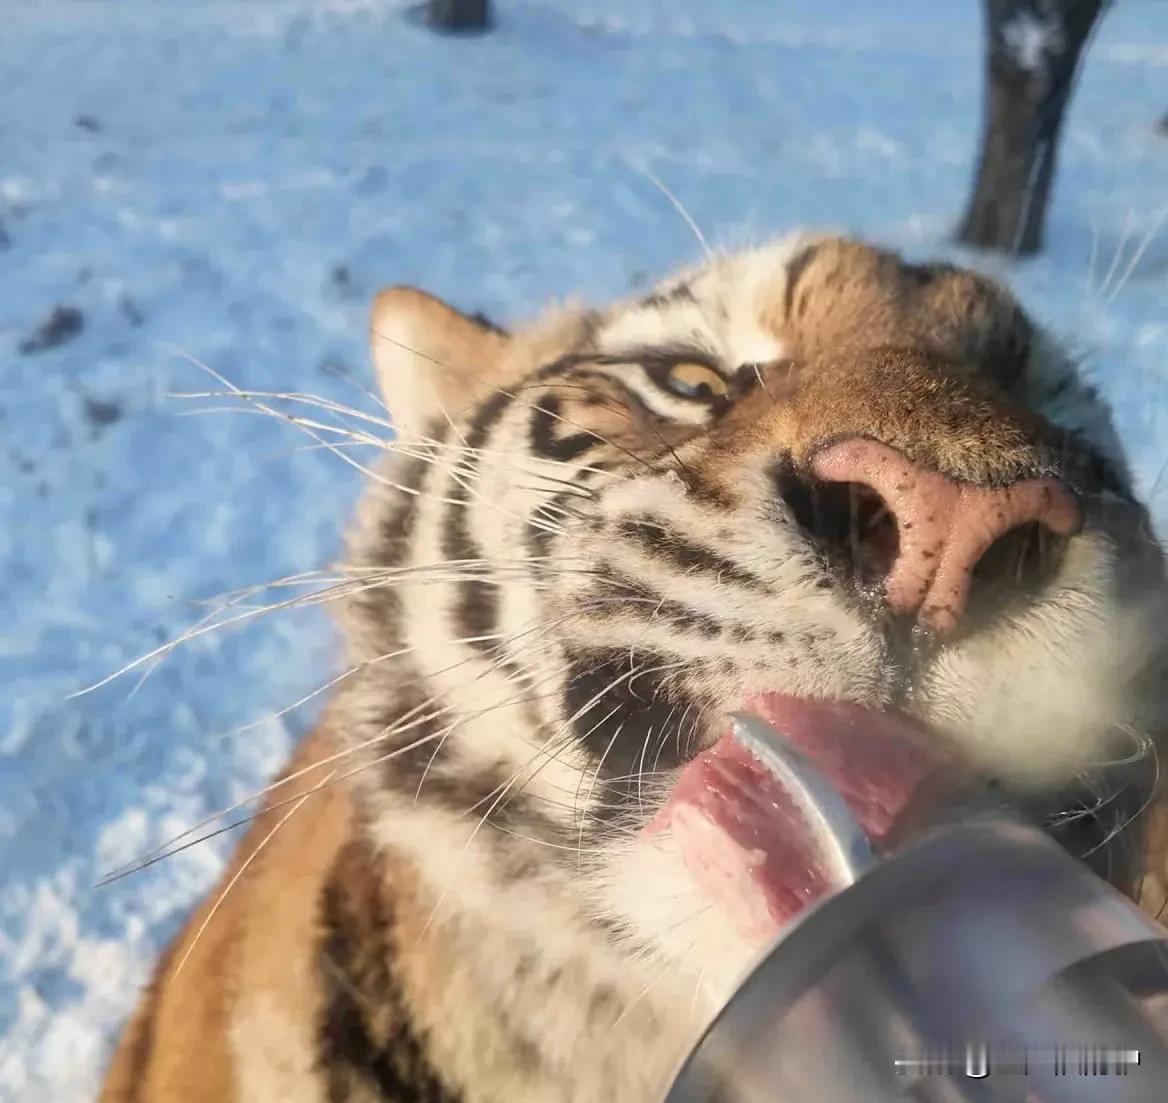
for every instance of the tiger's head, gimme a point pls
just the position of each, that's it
(869, 501)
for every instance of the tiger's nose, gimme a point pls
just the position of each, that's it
(943, 527)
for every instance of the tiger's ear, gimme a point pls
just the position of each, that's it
(430, 358)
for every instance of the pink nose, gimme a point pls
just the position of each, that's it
(943, 526)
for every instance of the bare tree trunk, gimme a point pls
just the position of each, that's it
(459, 15)
(1032, 56)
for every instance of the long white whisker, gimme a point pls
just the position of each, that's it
(1128, 226)
(677, 206)
(246, 864)
(404, 723)
(416, 446)
(1129, 271)
(350, 587)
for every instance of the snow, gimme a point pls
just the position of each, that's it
(229, 182)
(1032, 39)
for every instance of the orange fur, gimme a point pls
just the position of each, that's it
(177, 1048)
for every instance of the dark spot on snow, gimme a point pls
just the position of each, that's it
(64, 324)
(101, 414)
(453, 17)
(239, 312)
(55, 986)
(341, 279)
(295, 34)
(87, 122)
(1163, 126)
(130, 311)
(373, 180)
(5, 240)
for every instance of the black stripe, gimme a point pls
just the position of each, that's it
(651, 605)
(630, 598)
(380, 606)
(427, 723)
(629, 398)
(656, 538)
(477, 613)
(430, 771)
(366, 1039)
(495, 793)
(549, 519)
(796, 266)
(540, 538)
(396, 528)
(699, 488)
(545, 419)
(423, 720)
(477, 610)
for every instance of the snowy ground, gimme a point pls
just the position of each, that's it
(233, 180)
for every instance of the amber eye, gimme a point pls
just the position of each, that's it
(692, 380)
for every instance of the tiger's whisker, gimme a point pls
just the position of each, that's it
(243, 868)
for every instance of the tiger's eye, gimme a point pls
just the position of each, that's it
(692, 380)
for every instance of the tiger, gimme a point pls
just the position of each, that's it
(869, 500)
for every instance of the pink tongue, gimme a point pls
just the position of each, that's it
(744, 838)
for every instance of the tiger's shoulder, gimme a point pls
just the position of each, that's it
(285, 983)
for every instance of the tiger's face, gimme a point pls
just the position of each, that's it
(866, 501)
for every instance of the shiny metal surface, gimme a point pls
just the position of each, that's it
(844, 846)
(984, 948)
